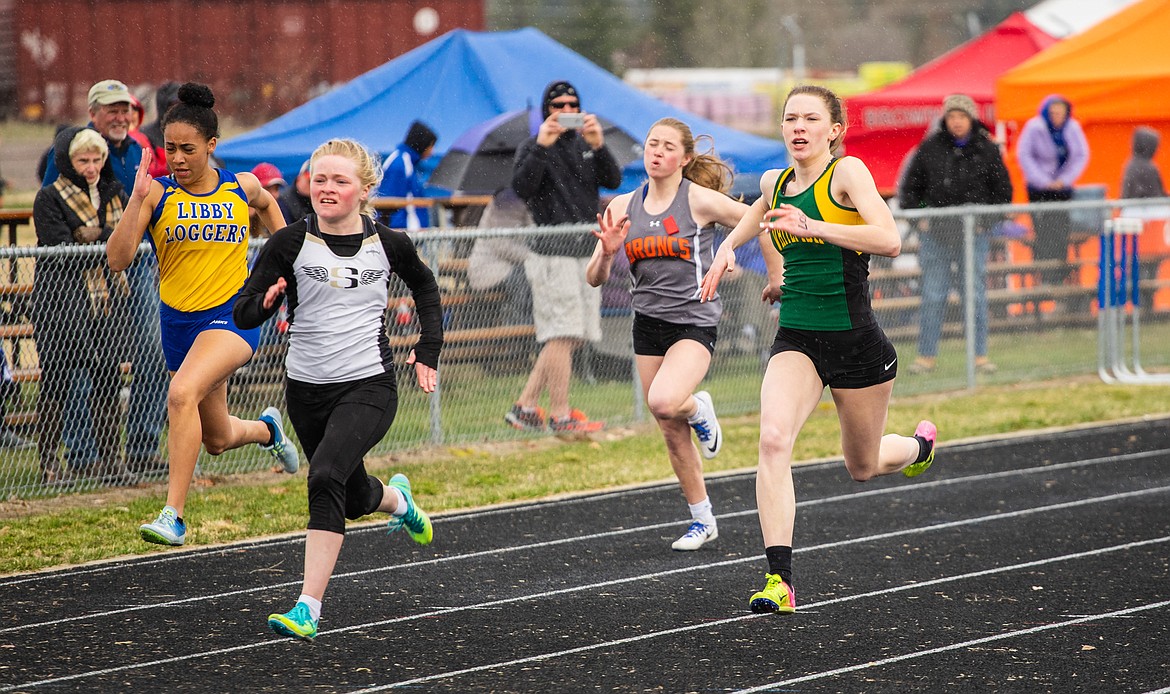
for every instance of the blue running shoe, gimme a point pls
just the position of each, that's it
(296, 623)
(282, 449)
(167, 529)
(415, 520)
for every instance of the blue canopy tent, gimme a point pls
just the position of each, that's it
(464, 78)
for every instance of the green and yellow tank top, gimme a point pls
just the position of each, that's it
(826, 287)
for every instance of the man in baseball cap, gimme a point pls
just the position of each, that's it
(109, 114)
(269, 176)
(108, 92)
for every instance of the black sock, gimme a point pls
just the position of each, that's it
(924, 448)
(780, 562)
(271, 433)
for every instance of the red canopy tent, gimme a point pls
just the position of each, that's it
(887, 123)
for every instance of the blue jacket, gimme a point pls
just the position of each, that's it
(400, 179)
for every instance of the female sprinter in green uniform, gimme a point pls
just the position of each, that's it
(826, 218)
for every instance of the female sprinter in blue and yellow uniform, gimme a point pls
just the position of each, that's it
(197, 219)
(826, 218)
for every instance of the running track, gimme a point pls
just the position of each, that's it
(1027, 564)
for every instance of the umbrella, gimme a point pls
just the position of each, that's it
(480, 160)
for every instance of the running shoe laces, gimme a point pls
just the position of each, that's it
(415, 520)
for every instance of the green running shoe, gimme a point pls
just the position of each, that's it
(415, 520)
(928, 431)
(777, 596)
(296, 623)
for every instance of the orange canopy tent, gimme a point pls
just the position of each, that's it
(1117, 77)
(887, 123)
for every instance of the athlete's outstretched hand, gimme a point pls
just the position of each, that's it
(724, 262)
(274, 292)
(787, 218)
(142, 177)
(428, 378)
(612, 234)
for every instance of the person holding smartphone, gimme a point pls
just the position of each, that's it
(558, 174)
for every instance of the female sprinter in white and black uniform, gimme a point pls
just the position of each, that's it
(334, 266)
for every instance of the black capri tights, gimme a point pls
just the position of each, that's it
(337, 424)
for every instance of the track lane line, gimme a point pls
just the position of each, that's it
(195, 554)
(642, 637)
(582, 538)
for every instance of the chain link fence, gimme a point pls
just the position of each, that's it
(966, 286)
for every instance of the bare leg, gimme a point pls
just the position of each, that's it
(553, 369)
(323, 546)
(668, 384)
(321, 550)
(862, 413)
(788, 396)
(197, 408)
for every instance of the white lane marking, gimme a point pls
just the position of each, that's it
(956, 646)
(300, 540)
(594, 536)
(887, 591)
(603, 584)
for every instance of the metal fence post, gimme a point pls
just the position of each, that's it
(969, 295)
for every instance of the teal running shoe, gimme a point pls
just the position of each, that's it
(928, 431)
(415, 520)
(282, 449)
(167, 529)
(296, 623)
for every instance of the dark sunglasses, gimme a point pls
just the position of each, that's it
(564, 104)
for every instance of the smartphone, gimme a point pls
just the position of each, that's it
(572, 121)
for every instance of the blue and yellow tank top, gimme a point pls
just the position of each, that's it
(201, 242)
(826, 287)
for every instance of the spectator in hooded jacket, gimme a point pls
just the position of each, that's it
(79, 307)
(1053, 152)
(401, 178)
(1141, 178)
(165, 97)
(558, 173)
(958, 164)
(294, 199)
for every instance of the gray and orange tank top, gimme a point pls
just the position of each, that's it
(826, 287)
(669, 254)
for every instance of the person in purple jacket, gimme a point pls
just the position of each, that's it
(1053, 153)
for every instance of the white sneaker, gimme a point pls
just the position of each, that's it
(706, 426)
(695, 537)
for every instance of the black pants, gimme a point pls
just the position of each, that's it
(337, 424)
(1050, 233)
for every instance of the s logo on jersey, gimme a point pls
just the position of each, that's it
(342, 277)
